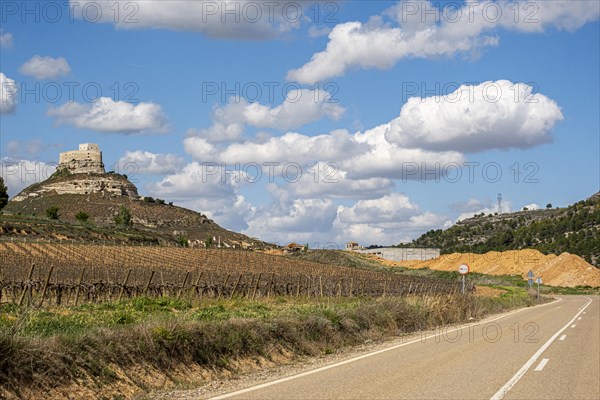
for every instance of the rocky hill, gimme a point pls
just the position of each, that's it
(80, 186)
(574, 229)
(153, 221)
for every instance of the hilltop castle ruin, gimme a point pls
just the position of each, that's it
(86, 175)
(88, 159)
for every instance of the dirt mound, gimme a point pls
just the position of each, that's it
(564, 270)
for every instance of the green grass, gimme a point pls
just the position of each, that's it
(84, 318)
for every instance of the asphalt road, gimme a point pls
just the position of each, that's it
(550, 351)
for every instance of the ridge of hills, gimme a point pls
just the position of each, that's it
(574, 229)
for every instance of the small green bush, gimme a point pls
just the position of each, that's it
(82, 216)
(52, 212)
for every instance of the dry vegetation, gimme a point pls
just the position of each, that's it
(68, 274)
(155, 317)
(130, 347)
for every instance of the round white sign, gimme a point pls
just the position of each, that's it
(463, 269)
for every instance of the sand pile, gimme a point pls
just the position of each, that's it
(564, 270)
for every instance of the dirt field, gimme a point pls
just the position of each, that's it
(564, 270)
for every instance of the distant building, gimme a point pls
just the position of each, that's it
(294, 247)
(352, 246)
(400, 254)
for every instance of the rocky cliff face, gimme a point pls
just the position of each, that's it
(82, 166)
(85, 184)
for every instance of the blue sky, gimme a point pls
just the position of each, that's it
(366, 82)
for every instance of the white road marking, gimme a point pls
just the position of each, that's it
(513, 381)
(563, 337)
(314, 371)
(579, 318)
(573, 326)
(584, 312)
(542, 364)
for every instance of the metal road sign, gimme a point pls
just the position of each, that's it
(463, 269)
(538, 280)
(530, 274)
(530, 282)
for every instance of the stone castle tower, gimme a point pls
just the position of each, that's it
(88, 159)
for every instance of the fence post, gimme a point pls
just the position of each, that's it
(271, 282)
(148, 283)
(124, 283)
(79, 285)
(196, 285)
(235, 287)
(321, 285)
(24, 287)
(162, 285)
(256, 287)
(187, 275)
(223, 288)
(46, 284)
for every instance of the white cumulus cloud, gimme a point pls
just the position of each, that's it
(20, 173)
(389, 208)
(288, 219)
(293, 147)
(492, 115)
(151, 163)
(227, 19)
(427, 141)
(209, 189)
(327, 180)
(300, 107)
(419, 29)
(8, 95)
(6, 39)
(45, 67)
(387, 220)
(107, 115)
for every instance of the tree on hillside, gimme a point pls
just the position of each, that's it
(52, 212)
(549, 205)
(3, 194)
(82, 216)
(123, 218)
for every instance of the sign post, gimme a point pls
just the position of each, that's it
(538, 281)
(530, 276)
(463, 270)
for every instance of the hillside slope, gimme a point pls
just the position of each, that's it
(574, 229)
(100, 196)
